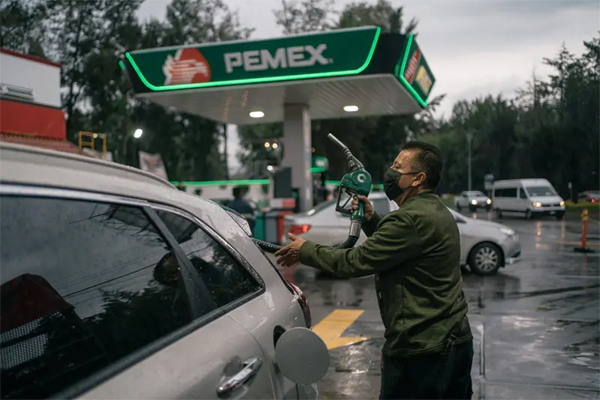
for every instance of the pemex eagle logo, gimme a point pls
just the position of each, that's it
(188, 66)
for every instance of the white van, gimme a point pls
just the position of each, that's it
(532, 197)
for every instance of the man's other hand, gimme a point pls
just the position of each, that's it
(369, 210)
(290, 254)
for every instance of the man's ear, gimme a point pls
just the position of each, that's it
(420, 179)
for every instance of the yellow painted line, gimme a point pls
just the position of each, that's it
(330, 329)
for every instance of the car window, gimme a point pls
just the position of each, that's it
(522, 193)
(320, 207)
(541, 191)
(506, 192)
(382, 206)
(224, 277)
(83, 285)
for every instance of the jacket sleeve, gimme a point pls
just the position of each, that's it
(395, 242)
(369, 227)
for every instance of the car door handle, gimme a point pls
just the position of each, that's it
(251, 368)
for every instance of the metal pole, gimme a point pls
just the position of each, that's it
(469, 138)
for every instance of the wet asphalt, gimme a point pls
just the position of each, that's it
(536, 323)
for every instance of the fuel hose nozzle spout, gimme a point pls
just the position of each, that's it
(357, 182)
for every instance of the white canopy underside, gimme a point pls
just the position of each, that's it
(373, 94)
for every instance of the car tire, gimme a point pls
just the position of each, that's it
(458, 207)
(499, 213)
(560, 215)
(528, 214)
(472, 209)
(488, 208)
(485, 259)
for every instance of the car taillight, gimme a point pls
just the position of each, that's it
(299, 229)
(303, 303)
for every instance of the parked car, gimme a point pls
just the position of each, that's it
(116, 284)
(472, 200)
(530, 197)
(485, 246)
(592, 196)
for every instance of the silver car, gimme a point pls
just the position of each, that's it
(116, 285)
(485, 246)
(472, 200)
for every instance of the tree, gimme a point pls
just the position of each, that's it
(381, 14)
(21, 26)
(300, 16)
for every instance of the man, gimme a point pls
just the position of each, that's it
(414, 253)
(242, 206)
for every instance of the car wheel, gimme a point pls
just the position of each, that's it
(458, 207)
(488, 208)
(499, 213)
(528, 214)
(560, 215)
(472, 209)
(485, 259)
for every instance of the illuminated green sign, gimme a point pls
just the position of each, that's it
(336, 53)
(413, 71)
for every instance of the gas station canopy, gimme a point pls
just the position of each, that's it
(335, 74)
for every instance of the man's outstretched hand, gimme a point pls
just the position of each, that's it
(290, 254)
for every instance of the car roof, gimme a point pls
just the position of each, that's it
(26, 165)
(524, 182)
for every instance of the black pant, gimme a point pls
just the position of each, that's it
(445, 375)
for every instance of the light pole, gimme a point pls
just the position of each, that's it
(469, 139)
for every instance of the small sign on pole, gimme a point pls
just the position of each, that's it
(488, 181)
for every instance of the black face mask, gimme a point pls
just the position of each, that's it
(390, 183)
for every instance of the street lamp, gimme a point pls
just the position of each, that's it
(469, 139)
(138, 133)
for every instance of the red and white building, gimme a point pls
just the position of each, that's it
(30, 105)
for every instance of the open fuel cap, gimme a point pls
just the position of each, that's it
(302, 356)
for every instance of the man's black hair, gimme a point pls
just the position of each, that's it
(429, 160)
(237, 192)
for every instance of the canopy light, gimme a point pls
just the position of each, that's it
(257, 114)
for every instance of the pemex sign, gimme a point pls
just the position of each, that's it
(413, 71)
(342, 52)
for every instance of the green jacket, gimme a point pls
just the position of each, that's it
(414, 253)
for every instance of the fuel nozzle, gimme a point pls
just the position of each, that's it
(353, 163)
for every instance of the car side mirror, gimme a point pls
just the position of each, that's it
(302, 356)
(460, 221)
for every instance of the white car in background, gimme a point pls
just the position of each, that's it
(485, 246)
(472, 200)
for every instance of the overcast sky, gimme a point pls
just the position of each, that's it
(474, 47)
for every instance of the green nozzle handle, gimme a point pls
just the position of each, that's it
(359, 213)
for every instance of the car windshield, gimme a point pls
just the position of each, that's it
(320, 207)
(540, 191)
(475, 194)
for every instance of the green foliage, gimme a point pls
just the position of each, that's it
(550, 131)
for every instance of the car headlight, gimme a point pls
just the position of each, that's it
(562, 203)
(489, 201)
(537, 205)
(507, 231)
(473, 202)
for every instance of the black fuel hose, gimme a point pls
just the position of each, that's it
(272, 248)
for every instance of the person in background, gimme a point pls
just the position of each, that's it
(241, 206)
